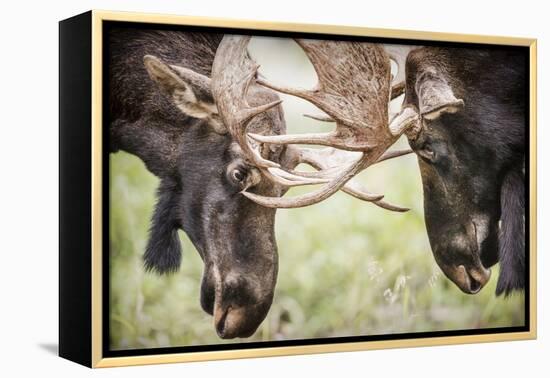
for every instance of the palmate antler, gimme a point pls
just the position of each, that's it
(354, 91)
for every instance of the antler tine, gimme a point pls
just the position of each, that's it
(331, 139)
(345, 136)
(357, 192)
(328, 167)
(288, 179)
(313, 197)
(319, 117)
(332, 171)
(329, 158)
(329, 161)
(232, 74)
(397, 90)
(352, 89)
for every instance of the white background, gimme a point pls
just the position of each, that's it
(29, 206)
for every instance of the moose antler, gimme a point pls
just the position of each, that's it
(233, 72)
(354, 91)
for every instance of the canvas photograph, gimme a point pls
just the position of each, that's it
(273, 189)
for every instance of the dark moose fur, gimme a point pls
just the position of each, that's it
(512, 233)
(472, 161)
(145, 123)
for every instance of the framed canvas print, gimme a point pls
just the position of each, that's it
(203, 216)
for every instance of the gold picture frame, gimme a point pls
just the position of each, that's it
(96, 237)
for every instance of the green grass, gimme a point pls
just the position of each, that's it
(346, 268)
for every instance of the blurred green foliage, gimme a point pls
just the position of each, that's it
(345, 268)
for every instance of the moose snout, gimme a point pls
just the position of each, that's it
(235, 322)
(237, 304)
(459, 259)
(464, 268)
(472, 280)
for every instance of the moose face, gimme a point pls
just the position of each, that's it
(201, 195)
(461, 201)
(234, 236)
(471, 155)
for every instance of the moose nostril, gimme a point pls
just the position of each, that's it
(220, 323)
(474, 279)
(475, 285)
(207, 297)
(220, 327)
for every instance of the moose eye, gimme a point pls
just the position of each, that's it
(238, 175)
(427, 153)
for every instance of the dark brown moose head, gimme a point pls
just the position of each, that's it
(470, 149)
(204, 172)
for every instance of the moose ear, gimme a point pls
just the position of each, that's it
(189, 90)
(435, 95)
(163, 252)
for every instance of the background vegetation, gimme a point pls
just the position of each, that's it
(345, 267)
